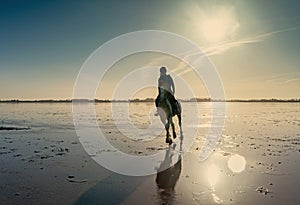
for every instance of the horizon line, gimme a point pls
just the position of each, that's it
(147, 100)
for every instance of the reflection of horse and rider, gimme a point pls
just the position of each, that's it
(167, 177)
(167, 105)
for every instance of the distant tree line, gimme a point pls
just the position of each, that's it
(147, 100)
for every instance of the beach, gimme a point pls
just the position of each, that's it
(256, 160)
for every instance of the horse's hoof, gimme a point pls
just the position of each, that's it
(174, 135)
(169, 140)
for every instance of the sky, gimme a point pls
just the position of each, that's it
(254, 45)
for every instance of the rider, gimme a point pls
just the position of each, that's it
(166, 90)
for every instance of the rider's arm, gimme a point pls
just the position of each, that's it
(172, 85)
(158, 87)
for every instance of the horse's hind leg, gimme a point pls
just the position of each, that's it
(180, 125)
(173, 129)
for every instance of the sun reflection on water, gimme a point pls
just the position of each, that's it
(216, 198)
(236, 163)
(212, 174)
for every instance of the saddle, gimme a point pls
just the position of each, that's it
(176, 108)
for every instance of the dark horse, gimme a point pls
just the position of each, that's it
(166, 118)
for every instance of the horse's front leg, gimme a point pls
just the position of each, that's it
(167, 126)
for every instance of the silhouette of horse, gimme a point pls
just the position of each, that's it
(166, 118)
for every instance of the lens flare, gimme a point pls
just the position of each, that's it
(236, 163)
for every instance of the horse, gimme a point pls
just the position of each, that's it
(166, 117)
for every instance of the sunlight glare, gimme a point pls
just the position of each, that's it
(212, 174)
(216, 198)
(219, 25)
(213, 29)
(236, 163)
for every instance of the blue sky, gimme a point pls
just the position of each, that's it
(44, 43)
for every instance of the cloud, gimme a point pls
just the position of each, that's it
(284, 78)
(217, 49)
(292, 80)
(222, 47)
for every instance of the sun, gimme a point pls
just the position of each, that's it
(214, 29)
(218, 24)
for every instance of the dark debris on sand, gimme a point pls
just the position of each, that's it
(14, 128)
(262, 190)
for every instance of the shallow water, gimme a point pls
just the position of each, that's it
(256, 160)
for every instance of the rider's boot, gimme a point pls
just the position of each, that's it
(156, 114)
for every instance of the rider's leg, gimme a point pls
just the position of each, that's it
(157, 103)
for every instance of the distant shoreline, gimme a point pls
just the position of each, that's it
(149, 100)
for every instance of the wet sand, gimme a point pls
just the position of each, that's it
(256, 160)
